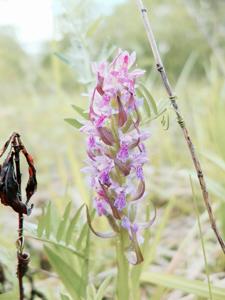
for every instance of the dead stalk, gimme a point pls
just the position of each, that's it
(180, 120)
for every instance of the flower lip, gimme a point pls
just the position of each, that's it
(123, 153)
(101, 206)
(120, 202)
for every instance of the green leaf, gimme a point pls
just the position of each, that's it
(80, 111)
(85, 263)
(102, 288)
(165, 121)
(147, 108)
(202, 239)
(195, 287)
(69, 277)
(91, 292)
(82, 235)
(61, 245)
(146, 93)
(65, 297)
(73, 223)
(64, 222)
(41, 223)
(74, 123)
(48, 220)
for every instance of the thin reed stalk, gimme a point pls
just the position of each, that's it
(180, 120)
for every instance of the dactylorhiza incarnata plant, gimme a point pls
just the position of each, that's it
(116, 151)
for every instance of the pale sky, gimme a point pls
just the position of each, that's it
(33, 19)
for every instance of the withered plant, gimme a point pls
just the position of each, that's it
(11, 195)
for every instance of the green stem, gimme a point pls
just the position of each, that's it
(122, 268)
(135, 282)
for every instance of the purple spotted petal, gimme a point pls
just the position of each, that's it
(120, 202)
(101, 206)
(123, 153)
(125, 223)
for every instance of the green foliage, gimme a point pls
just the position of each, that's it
(152, 109)
(70, 278)
(65, 297)
(80, 111)
(74, 123)
(102, 288)
(63, 239)
(202, 240)
(10, 295)
(195, 287)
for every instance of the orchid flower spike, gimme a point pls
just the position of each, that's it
(115, 146)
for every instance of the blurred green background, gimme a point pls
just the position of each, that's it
(40, 79)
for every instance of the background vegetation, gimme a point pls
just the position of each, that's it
(36, 95)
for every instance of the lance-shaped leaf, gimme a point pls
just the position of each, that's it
(102, 288)
(146, 93)
(80, 111)
(72, 225)
(70, 278)
(63, 224)
(73, 122)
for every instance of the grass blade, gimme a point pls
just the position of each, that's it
(202, 240)
(195, 287)
(64, 222)
(102, 288)
(73, 223)
(74, 123)
(71, 280)
(80, 111)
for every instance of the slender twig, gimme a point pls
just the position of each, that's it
(180, 120)
(20, 221)
(19, 255)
